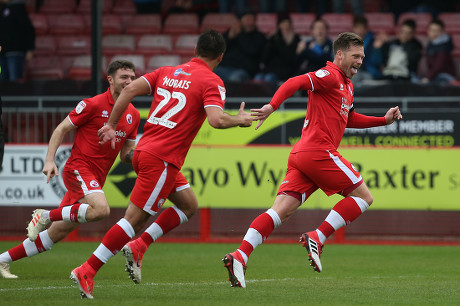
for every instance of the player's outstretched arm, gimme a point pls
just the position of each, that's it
(50, 169)
(261, 114)
(393, 114)
(218, 119)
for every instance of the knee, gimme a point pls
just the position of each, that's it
(102, 212)
(369, 199)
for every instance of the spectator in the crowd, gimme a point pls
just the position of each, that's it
(270, 6)
(279, 55)
(17, 36)
(314, 53)
(401, 56)
(438, 53)
(356, 7)
(226, 6)
(148, 6)
(244, 49)
(370, 69)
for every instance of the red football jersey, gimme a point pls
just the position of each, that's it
(181, 95)
(329, 102)
(89, 116)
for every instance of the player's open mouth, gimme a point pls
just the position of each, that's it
(354, 70)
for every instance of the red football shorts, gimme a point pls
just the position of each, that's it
(156, 179)
(327, 170)
(79, 183)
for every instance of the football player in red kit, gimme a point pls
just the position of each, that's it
(314, 162)
(183, 97)
(86, 169)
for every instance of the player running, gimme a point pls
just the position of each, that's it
(86, 169)
(314, 161)
(183, 96)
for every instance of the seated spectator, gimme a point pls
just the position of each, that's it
(278, 58)
(314, 53)
(17, 37)
(370, 69)
(401, 56)
(245, 45)
(439, 58)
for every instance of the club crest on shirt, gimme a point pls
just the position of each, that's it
(105, 114)
(322, 73)
(80, 106)
(129, 118)
(222, 92)
(94, 184)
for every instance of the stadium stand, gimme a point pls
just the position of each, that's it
(143, 24)
(149, 45)
(66, 24)
(302, 22)
(124, 8)
(111, 24)
(338, 23)
(80, 68)
(74, 45)
(177, 24)
(58, 7)
(422, 20)
(218, 22)
(381, 22)
(456, 41)
(158, 61)
(451, 21)
(118, 44)
(45, 45)
(185, 44)
(84, 6)
(267, 23)
(138, 61)
(46, 67)
(40, 23)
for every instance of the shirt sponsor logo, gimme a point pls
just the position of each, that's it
(344, 108)
(129, 118)
(180, 71)
(94, 184)
(222, 92)
(105, 114)
(322, 73)
(80, 106)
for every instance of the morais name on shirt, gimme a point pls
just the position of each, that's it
(174, 83)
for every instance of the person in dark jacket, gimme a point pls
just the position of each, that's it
(17, 37)
(315, 52)
(279, 56)
(401, 56)
(245, 45)
(439, 58)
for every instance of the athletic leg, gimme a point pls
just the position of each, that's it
(44, 242)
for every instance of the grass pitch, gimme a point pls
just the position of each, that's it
(278, 274)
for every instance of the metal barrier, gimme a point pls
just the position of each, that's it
(32, 119)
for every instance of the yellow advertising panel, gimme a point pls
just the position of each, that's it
(249, 176)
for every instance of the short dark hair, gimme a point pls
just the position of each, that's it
(319, 20)
(410, 23)
(119, 64)
(345, 40)
(360, 20)
(439, 22)
(211, 44)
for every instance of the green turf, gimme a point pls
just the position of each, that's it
(192, 274)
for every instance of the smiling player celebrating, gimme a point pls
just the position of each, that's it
(314, 161)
